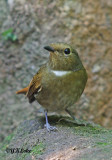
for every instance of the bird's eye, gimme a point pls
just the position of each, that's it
(67, 51)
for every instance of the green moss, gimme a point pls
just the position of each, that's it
(101, 137)
(22, 156)
(4, 145)
(38, 149)
(6, 141)
(90, 131)
(103, 144)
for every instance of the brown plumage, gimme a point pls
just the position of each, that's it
(33, 87)
(60, 82)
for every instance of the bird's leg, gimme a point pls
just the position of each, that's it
(47, 125)
(78, 122)
(70, 113)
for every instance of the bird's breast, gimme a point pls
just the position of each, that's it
(61, 89)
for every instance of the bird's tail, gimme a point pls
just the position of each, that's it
(23, 91)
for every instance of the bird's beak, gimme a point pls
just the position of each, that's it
(49, 48)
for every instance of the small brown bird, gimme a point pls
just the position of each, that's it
(59, 83)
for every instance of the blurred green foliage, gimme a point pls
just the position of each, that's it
(9, 35)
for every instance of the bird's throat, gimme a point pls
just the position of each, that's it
(62, 73)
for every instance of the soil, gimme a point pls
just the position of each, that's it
(86, 24)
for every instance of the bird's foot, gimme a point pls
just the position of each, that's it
(50, 128)
(82, 122)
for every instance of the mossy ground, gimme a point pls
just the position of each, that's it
(38, 149)
(82, 142)
(4, 146)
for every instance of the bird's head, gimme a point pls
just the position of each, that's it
(63, 57)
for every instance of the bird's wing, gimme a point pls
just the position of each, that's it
(35, 85)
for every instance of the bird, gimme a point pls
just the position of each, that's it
(59, 83)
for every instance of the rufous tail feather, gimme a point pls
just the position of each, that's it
(23, 91)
